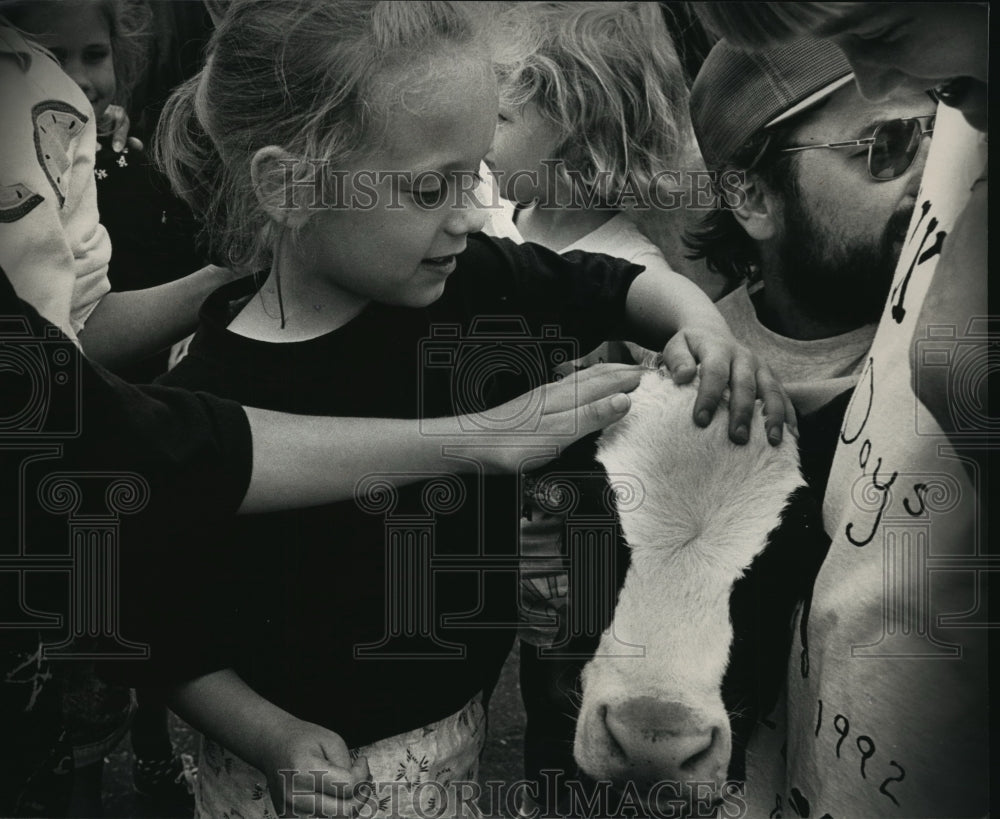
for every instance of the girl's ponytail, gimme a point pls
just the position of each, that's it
(186, 154)
(189, 156)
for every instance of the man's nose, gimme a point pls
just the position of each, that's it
(877, 82)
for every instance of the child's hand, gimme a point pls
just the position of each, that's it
(537, 425)
(116, 121)
(325, 781)
(725, 362)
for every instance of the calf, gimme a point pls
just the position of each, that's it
(707, 510)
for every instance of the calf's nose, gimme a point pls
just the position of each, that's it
(669, 741)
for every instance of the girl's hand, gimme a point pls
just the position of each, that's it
(725, 362)
(310, 773)
(537, 425)
(116, 122)
(534, 428)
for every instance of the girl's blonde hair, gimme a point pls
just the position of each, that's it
(608, 76)
(309, 76)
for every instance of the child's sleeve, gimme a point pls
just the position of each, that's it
(583, 294)
(52, 245)
(175, 463)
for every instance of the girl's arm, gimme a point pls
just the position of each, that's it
(223, 707)
(668, 312)
(304, 461)
(128, 326)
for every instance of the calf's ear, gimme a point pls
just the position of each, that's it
(762, 608)
(763, 602)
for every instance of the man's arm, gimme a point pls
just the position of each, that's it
(957, 294)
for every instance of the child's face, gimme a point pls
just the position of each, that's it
(391, 247)
(523, 139)
(76, 32)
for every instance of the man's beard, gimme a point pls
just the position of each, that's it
(833, 283)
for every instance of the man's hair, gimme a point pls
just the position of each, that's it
(719, 239)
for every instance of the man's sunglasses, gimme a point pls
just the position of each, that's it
(891, 148)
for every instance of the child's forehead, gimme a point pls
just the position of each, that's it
(65, 22)
(444, 120)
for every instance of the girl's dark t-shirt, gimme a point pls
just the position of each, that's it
(379, 615)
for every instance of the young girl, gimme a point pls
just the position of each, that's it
(331, 146)
(586, 126)
(59, 246)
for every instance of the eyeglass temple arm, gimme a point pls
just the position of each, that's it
(852, 143)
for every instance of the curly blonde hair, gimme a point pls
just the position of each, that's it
(608, 76)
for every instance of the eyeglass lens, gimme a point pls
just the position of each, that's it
(896, 144)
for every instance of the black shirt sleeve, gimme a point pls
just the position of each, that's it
(95, 469)
(193, 450)
(584, 294)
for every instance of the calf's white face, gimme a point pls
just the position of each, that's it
(707, 508)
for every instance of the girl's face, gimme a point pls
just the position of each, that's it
(899, 47)
(77, 34)
(523, 140)
(394, 243)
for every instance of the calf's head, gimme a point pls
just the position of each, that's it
(652, 709)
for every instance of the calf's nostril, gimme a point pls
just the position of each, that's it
(667, 741)
(696, 761)
(615, 748)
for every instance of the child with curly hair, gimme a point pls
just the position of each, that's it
(593, 136)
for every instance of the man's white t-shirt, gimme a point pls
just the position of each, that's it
(813, 371)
